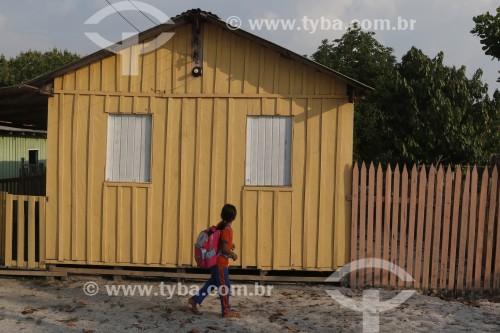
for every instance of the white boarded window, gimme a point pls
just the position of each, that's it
(128, 156)
(269, 142)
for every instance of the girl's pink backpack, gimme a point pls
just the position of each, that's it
(206, 247)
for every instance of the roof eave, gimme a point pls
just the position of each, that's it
(360, 88)
(103, 53)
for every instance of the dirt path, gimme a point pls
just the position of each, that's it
(61, 306)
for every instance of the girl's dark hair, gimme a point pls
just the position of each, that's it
(228, 213)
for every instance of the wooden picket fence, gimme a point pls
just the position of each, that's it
(22, 231)
(440, 226)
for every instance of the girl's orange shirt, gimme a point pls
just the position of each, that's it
(226, 236)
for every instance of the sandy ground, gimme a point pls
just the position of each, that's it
(36, 305)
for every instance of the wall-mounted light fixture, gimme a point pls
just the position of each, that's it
(197, 49)
(197, 71)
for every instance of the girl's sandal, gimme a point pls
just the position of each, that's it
(194, 307)
(233, 314)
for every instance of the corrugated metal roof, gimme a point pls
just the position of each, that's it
(24, 104)
(22, 131)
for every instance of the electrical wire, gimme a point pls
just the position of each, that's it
(122, 16)
(133, 4)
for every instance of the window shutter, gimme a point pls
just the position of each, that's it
(128, 156)
(269, 141)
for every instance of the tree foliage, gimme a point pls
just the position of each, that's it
(488, 30)
(450, 115)
(31, 64)
(349, 55)
(422, 110)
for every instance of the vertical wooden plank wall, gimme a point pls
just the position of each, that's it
(445, 235)
(198, 159)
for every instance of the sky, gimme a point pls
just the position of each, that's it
(439, 25)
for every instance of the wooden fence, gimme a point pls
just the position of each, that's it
(22, 231)
(441, 226)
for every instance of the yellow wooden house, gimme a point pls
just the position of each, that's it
(144, 148)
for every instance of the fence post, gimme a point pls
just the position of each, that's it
(370, 224)
(436, 243)
(395, 224)
(378, 223)
(496, 278)
(464, 223)
(8, 230)
(31, 231)
(403, 226)
(20, 231)
(354, 223)
(472, 231)
(2, 225)
(480, 230)
(490, 232)
(362, 224)
(445, 254)
(387, 226)
(41, 231)
(455, 228)
(422, 185)
(428, 227)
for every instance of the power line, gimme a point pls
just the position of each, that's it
(133, 4)
(122, 16)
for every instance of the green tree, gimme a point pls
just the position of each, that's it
(4, 71)
(488, 30)
(421, 112)
(448, 116)
(30, 64)
(359, 55)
